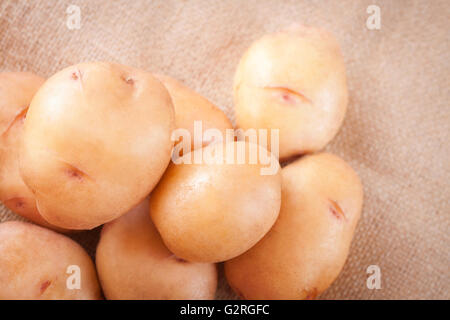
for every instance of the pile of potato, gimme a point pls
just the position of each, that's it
(92, 145)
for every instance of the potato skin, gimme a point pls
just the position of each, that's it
(34, 261)
(191, 106)
(16, 91)
(133, 263)
(214, 212)
(307, 247)
(293, 80)
(97, 137)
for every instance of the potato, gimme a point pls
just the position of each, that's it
(39, 264)
(189, 107)
(133, 263)
(211, 212)
(16, 91)
(294, 81)
(96, 142)
(307, 247)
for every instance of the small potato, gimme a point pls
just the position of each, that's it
(96, 142)
(39, 264)
(294, 81)
(307, 247)
(190, 107)
(133, 263)
(16, 91)
(214, 212)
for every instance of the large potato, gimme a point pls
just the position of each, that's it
(214, 212)
(37, 263)
(16, 91)
(294, 81)
(307, 247)
(190, 107)
(96, 142)
(133, 263)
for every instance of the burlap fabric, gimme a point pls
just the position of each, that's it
(396, 133)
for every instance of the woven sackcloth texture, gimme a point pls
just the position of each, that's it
(396, 133)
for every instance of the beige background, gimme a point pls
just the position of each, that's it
(396, 133)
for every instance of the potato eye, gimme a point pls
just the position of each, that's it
(288, 95)
(44, 286)
(128, 80)
(336, 210)
(74, 173)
